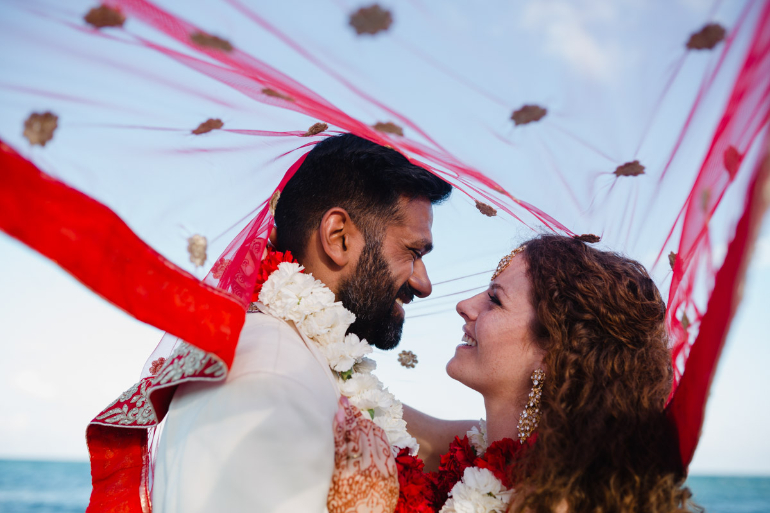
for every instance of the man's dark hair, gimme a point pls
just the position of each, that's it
(362, 177)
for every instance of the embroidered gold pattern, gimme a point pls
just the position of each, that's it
(133, 407)
(192, 361)
(141, 414)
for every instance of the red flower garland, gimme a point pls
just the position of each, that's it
(269, 264)
(500, 458)
(415, 492)
(461, 455)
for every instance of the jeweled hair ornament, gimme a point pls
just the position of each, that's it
(506, 261)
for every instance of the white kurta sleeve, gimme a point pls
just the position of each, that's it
(258, 444)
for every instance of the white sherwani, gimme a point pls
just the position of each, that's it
(262, 441)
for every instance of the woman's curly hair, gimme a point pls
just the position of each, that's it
(603, 442)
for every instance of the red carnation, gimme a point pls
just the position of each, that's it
(268, 266)
(461, 455)
(415, 492)
(501, 458)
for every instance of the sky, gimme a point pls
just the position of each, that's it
(68, 353)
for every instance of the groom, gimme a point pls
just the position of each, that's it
(358, 217)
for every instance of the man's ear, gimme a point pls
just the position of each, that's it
(340, 238)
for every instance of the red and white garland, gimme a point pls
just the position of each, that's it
(479, 490)
(474, 477)
(289, 294)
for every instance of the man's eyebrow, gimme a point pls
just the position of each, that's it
(425, 244)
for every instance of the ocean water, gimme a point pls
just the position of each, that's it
(64, 487)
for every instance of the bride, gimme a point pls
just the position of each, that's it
(569, 350)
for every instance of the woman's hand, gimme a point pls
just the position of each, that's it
(365, 477)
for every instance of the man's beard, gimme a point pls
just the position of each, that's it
(370, 293)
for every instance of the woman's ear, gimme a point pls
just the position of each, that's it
(340, 239)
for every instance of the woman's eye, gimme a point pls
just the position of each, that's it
(494, 300)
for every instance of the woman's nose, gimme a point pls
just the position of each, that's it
(469, 308)
(462, 309)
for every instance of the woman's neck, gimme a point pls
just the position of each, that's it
(502, 418)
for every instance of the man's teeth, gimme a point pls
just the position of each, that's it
(468, 341)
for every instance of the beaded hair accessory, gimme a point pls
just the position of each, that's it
(506, 261)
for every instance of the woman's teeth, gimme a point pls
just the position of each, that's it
(399, 301)
(468, 341)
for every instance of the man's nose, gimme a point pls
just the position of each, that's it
(419, 281)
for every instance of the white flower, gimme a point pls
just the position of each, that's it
(478, 437)
(328, 324)
(343, 355)
(286, 293)
(479, 491)
(358, 383)
(392, 422)
(365, 365)
(375, 399)
(278, 280)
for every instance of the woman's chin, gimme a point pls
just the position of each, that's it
(454, 369)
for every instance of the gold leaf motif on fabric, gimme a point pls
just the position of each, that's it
(208, 125)
(209, 41)
(275, 94)
(407, 359)
(196, 247)
(371, 20)
(316, 129)
(707, 37)
(485, 209)
(133, 407)
(388, 128)
(633, 168)
(140, 414)
(39, 127)
(104, 16)
(528, 114)
(187, 361)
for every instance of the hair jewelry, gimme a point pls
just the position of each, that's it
(506, 261)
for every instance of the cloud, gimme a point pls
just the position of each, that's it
(15, 423)
(31, 383)
(565, 27)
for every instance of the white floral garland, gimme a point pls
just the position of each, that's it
(477, 436)
(294, 296)
(479, 491)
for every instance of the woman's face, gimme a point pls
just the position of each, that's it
(498, 351)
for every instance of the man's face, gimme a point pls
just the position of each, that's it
(389, 273)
